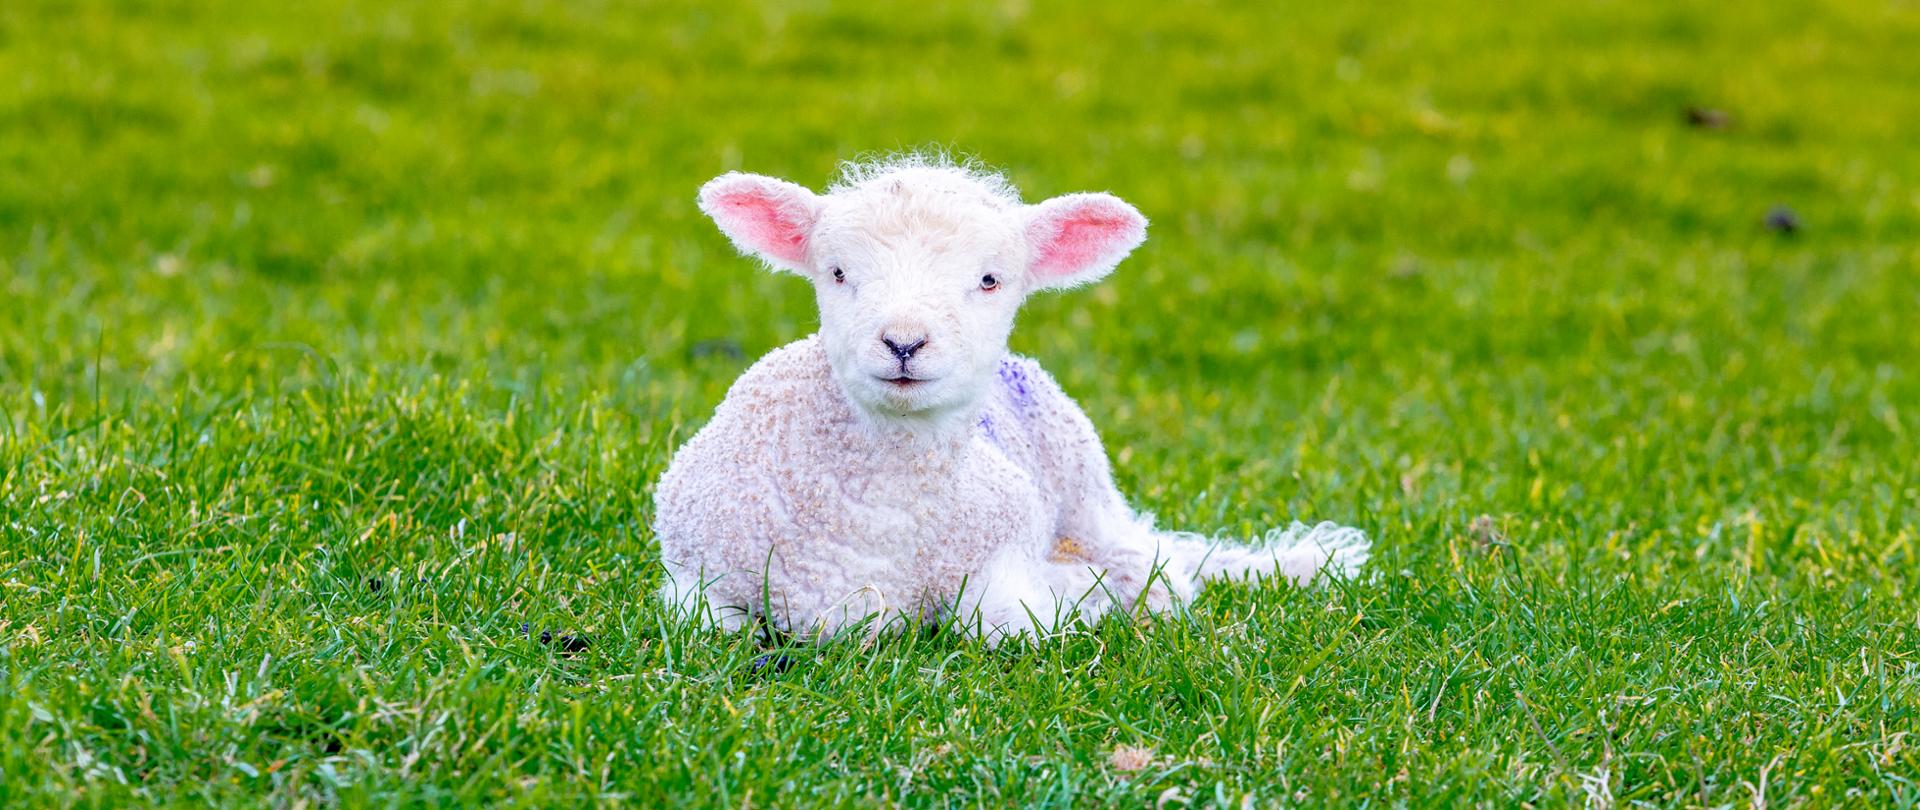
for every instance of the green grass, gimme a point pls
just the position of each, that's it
(339, 344)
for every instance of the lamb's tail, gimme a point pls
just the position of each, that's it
(1298, 552)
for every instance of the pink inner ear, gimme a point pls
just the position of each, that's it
(760, 221)
(1084, 236)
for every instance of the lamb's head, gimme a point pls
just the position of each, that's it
(919, 267)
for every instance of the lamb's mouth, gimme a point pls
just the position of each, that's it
(903, 382)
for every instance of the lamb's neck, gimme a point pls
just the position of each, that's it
(947, 433)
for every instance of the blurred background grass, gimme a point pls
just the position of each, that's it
(297, 299)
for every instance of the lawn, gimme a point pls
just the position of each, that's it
(340, 346)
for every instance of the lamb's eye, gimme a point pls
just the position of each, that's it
(839, 276)
(989, 283)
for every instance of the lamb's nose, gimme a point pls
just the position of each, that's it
(903, 349)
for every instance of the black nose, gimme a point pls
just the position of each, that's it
(903, 351)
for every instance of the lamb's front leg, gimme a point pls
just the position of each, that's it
(1016, 594)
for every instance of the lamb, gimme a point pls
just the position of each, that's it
(901, 464)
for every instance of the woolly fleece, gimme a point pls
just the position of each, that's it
(993, 506)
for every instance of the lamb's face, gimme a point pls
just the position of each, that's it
(919, 270)
(918, 285)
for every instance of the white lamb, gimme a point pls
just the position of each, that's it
(901, 463)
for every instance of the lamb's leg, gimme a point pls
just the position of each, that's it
(1097, 530)
(1299, 552)
(692, 595)
(1135, 566)
(1153, 568)
(736, 601)
(1156, 568)
(1015, 595)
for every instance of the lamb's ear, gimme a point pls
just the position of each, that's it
(764, 216)
(1079, 238)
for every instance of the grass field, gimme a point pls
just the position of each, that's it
(341, 344)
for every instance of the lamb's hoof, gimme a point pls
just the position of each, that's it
(769, 664)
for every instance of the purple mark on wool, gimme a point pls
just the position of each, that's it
(986, 424)
(1019, 388)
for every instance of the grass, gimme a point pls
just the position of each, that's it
(340, 345)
